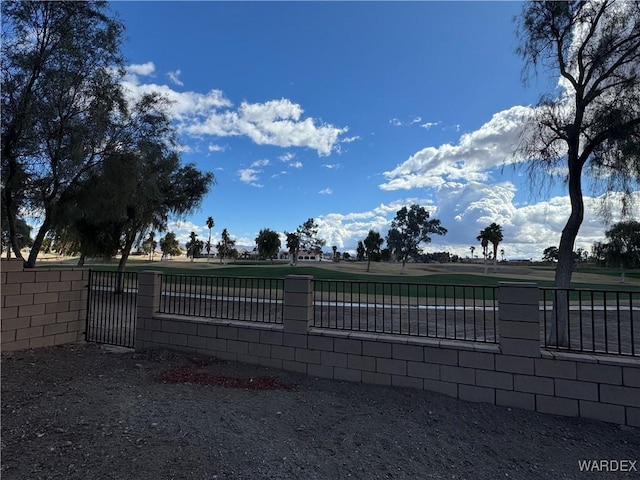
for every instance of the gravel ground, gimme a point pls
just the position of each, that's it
(87, 412)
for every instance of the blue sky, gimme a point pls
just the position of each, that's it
(345, 112)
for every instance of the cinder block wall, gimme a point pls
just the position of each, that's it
(41, 307)
(515, 372)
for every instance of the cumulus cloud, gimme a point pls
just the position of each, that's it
(274, 122)
(491, 145)
(325, 191)
(350, 139)
(296, 165)
(465, 210)
(144, 69)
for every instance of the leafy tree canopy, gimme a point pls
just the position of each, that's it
(410, 228)
(268, 243)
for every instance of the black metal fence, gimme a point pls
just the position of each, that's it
(111, 308)
(462, 312)
(238, 298)
(596, 321)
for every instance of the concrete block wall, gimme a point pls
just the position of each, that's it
(515, 372)
(41, 307)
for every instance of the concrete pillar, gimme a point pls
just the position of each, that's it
(298, 303)
(148, 304)
(519, 319)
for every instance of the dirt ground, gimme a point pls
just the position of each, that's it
(87, 412)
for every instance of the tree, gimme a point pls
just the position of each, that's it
(593, 125)
(336, 254)
(210, 224)
(372, 245)
(293, 245)
(304, 238)
(409, 229)
(483, 238)
(136, 189)
(268, 243)
(361, 251)
(502, 254)
(472, 249)
(623, 246)
(226, 246)
(550, 254)
(149, 245)
(194, 246)
(494, 236)
(169, 245)
(60, 89)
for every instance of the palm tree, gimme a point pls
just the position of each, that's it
(494, 235)
(483, 238)
(191, 246)
(502, 253)
(210, 224)
(473, 249)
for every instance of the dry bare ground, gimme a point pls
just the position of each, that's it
(86, 412)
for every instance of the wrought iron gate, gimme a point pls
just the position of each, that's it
(111, 308)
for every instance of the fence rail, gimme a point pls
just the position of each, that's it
(111, 307)
(597, 321)
(228, 298)
(462, 312)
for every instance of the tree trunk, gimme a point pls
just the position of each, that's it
(11, 223)
(81, 260)
(37, 242)
(368, 263)
(559, 334)
(495, 258)
(126, 250)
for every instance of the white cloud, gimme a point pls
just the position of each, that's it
(395, 122)
(429, 125)
(350, 139)
(249, 176)
(175, 77)
(296, 165)
(216, 148)
(144, 69)
(332, 166)
(491, 145)
(274, 122)
(465, 210)
(325, 191)
(287, 157)
(183, 229)
(260, 163)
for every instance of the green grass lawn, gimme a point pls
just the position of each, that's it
(327, 272)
